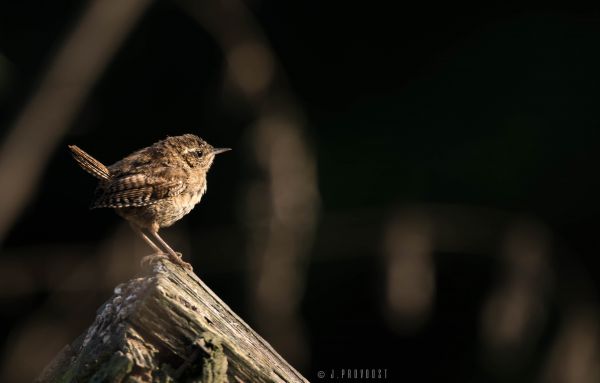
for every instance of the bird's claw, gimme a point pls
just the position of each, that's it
(178, 260)
(186, 266)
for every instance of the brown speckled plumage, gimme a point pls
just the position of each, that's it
(155, 186)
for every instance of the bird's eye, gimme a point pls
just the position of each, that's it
(199, 153)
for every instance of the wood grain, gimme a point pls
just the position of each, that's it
(168, 326)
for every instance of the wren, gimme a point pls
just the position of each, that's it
(153, 187)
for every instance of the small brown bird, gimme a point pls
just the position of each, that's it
(153, 187)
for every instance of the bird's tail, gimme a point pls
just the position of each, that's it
(89, 163)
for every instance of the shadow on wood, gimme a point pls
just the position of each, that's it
(168, 326)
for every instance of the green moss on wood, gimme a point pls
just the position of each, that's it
(214, 365)
(113, 371)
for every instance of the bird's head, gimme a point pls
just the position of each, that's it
(197, 152)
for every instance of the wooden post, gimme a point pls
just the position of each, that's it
(168, 326)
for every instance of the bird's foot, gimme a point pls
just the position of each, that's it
(177, 259)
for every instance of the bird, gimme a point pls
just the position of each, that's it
(153, 187)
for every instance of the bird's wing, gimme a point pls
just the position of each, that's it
(141, 189)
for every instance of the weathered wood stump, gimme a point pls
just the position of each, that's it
(168, 326)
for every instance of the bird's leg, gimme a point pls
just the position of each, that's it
(159, 253)
(138, 230)
(175, 256)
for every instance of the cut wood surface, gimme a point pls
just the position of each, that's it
(168, 326)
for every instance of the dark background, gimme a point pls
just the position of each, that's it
(481, 120)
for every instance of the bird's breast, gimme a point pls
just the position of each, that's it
(181, 205)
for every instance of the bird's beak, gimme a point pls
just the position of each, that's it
(220, 150)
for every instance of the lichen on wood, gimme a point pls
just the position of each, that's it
(168, 326)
